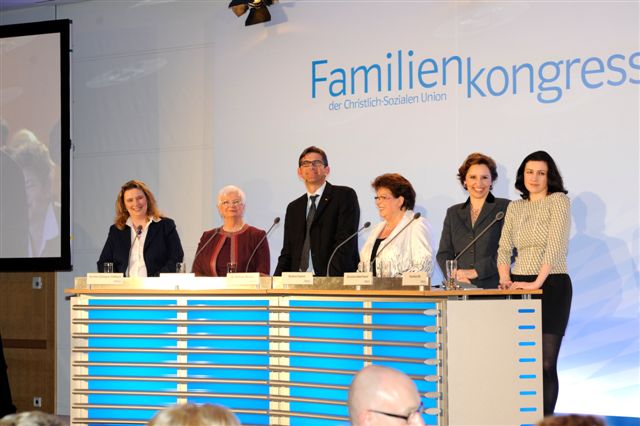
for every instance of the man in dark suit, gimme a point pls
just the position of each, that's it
(334, 215)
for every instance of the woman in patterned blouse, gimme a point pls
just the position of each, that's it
(537, 227)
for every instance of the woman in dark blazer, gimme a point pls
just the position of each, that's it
(477, 265)
(141, 242)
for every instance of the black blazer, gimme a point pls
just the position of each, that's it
(336, 218)
(162, 248)
(457, 233)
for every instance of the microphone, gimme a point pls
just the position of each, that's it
(216, 231)
(415, 216)
(264, 237)
(138, 230)
(366, 225)
(499, 217)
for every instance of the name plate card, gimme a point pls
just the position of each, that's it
(358, 278)
(415, 279)
(237, 279)
(99, 278)
(297, 278)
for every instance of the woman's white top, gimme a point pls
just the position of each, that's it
(409, 251)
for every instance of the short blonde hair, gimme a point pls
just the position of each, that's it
(30, 418)
(195, 415)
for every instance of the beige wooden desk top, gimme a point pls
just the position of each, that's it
(382, 287)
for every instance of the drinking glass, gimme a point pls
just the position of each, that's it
(452, 269)
(232, 267)
(181, 268)
(107, 267)
(363, 267)
(384, 268)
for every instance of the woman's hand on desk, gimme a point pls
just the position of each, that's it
(505, 285)
(525, 286)
(466, 275)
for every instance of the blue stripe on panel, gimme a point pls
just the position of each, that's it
(325, 332)
(321, 362)
(528, 376)
(337, 409)
(327, 317)
(404, 305)
(404, 319)
(526, 311)
(229, 373)
(304, 421)
(324, 303)
(526, 327)
(525, 393)
(233, 403)
(526, 343)
(526, 360)
(120, 414)
(327, 348)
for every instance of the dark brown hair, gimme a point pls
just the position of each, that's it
(399, 186)
(314, 149)
(554, 179)
(477, 158)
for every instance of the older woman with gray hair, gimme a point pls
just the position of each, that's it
(230, 247)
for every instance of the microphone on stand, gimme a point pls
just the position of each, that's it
(415, 216)
(216, 231)
(264, 237)
(499, 217)
(366, 225)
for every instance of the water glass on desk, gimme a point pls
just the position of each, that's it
(452, 269)
(383, 268)
(107, 267)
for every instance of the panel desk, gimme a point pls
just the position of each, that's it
(286, 356)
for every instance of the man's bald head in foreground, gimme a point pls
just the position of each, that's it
(383, 396)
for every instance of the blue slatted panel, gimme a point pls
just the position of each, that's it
(132, 385)
(253, 342)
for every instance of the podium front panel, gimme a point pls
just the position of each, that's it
(281, 358)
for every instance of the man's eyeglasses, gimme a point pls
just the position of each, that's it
(234, 203)
(314, 163)
(406, 418)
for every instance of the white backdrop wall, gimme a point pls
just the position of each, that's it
(185, 97)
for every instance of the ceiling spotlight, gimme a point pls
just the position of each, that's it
(258, 11)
